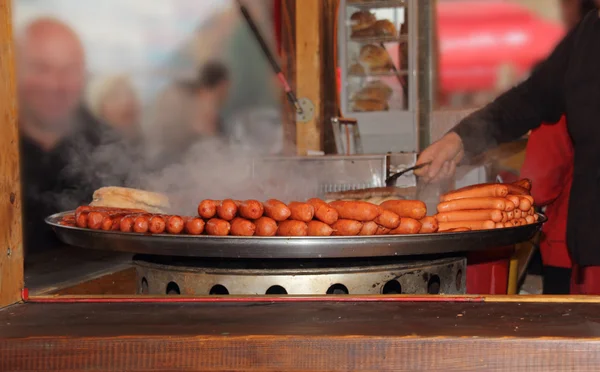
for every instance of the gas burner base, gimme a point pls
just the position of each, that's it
(160, 275)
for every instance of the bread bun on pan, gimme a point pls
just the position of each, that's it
(123, 197)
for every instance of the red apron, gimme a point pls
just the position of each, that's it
(549, 165)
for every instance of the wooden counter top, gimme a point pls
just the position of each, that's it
(55, 270)
(324, 336)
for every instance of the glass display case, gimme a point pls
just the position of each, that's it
(377, 44)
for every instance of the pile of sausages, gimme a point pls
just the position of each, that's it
(132, 220)
(314, 217)
(486, 206)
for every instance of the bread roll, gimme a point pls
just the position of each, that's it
(123, 197)
(384, 28)
(365, 32)
(362, 20)
(368, 105)
(374, 57)
(380, 85)
(356, 69)
(376, 92)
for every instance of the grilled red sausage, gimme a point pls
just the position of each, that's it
(194, 226)
(251, 209)
(356, 210)
(218, 227)
(141, 224)
(292, 228)
(126, 224)
(301, 211)
(318, 228)
(242, 227)
(175, 225)
(369, 228)
(81, 220)
(265, 226)
(157, 224)
(207, 208)
(323, 211)
(94, 220)
(227, 210)
(277, 210)
(344, 227)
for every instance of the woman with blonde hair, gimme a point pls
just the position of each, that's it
(113, 100)
(119, 158)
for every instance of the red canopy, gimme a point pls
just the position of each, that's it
(477, 38)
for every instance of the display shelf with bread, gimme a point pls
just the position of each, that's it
(377, 41)
(371, 90)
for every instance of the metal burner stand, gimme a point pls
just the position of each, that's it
(156, 276)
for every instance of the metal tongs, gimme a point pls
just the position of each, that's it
(267, 52)
(391, 180)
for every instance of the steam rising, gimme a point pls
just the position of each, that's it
(238, 168)
(210, 169)
(213, 169)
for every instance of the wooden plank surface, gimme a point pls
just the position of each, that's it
(76, 271)
(308, 72)
(11, 240)
(302, 336)
(114, 281)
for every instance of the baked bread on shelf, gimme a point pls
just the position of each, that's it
(375, 58)
(368, 105)
(384, 27)
(362, 20)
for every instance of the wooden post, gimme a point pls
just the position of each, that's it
(11, 239)
(308, 73)
(311, 73)
(330, 105)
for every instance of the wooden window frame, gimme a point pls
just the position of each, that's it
(11, 236)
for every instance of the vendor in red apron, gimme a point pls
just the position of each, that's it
(549, 164)
(566, 84)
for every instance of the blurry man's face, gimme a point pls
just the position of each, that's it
(50, 75)
(570, 12)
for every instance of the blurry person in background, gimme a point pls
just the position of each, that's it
(120, 157)
(209, 94)
(50, 79)
(549, 164)
(113, 101)
(188, 112)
